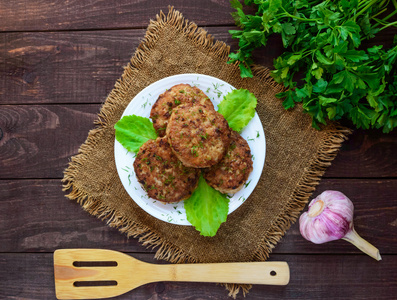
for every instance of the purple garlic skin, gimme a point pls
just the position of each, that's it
(329, 218)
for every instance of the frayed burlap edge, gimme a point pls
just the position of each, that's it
(165, 250)
(328, 150)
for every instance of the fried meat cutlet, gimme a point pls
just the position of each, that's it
(230, 174)
(167, 101)
(161, 174)
(198, 135)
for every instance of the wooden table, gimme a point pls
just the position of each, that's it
(58, 62)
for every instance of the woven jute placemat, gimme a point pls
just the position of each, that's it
(296, 155)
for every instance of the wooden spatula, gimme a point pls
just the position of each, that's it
(114, 273)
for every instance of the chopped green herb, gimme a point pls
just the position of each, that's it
(247, 184)
(144, 104)
(218, 92)
(169, 179)
(193, 150)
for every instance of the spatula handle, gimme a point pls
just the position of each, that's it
(274, 273)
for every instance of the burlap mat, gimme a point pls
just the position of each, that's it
(296, 157)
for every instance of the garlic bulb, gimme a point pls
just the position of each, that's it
(329, 218)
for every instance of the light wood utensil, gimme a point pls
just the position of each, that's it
(115, 273)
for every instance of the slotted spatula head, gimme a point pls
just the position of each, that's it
(76, 269)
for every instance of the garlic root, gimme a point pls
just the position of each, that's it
(354, 238)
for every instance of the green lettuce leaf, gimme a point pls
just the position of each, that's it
(206, 209)
(133, 131)
(238, 108)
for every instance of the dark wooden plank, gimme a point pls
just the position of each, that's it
(44, 220)
(68, 67)
(38, 141)
(63, 67)
(30, 276)
(36, 216)
(375, 217)
(367, 153)
(40, 15)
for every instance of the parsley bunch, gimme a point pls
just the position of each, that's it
(322, 41)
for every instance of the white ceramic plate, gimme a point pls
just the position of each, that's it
(141, 105)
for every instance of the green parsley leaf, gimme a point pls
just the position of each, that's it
(236, 4)
(288, 28)
(320, 86)
(245, 72)
(322, 59)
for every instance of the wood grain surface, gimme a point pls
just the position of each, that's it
(58, 62)
(43, 226)
(30, 276)
(86, 64)
(39, 15)
(38, 140)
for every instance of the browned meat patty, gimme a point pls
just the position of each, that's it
(167, 101)
(198, 135)
(233, 170)
(161, 174)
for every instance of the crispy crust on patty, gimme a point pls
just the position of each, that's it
(198, 135)
(230, 174)
(167, 101)
(161, 174)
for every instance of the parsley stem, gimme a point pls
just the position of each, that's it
(297, 18)
(388, 25)
(384, 3)
(365, 8)
(381, 12)
(389, 16)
